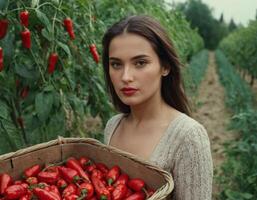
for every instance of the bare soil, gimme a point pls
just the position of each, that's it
(210, 110)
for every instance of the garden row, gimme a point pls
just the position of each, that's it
(241, 49)
(239, 174)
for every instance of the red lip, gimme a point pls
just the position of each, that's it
(129, 91)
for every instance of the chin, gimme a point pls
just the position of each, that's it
(130, 102)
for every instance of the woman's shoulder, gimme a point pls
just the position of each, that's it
(193, 130)
(188, 128)
(111, 125)
(189, 122)
(114, 119)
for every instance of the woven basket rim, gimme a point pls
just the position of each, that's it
(161, 193)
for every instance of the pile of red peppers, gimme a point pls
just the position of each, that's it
(74, 179)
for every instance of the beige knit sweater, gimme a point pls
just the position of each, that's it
(184, 150)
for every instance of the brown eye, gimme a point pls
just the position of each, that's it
(141, 63)
(115, 65)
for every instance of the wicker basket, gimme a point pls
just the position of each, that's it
(57, 150)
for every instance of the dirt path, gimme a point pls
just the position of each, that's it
(210, 110)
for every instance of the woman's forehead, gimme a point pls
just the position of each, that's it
(130, 44)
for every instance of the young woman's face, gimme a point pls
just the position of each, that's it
(135, 69)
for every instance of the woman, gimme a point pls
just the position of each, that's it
(142, 72)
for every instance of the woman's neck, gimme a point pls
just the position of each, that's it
(149, 112)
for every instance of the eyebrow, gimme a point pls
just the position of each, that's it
(134, 58)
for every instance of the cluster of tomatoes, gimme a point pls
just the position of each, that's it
(74, 179)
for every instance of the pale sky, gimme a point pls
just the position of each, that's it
(240, 10)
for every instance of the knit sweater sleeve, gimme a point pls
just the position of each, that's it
(193, 169)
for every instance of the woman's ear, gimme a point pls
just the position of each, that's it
(165, 71)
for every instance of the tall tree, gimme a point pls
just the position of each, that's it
(221, 18)
(200, 16)
(232, 26)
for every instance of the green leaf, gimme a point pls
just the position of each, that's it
(34, 3)
(56, 2)
(57, 99)
(77, 104)
(43, 103)
(23, 71)
(49, 88)
(56, 126)
(4, 110)
(8, 47)
(65, 48)
(33, 131)
(11, 138)
(93, 110)
(43, 18)
(47, 34)
(3, 4)
(246, 195)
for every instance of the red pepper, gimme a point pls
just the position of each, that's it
(100, 188)
(15, 191)
(32, 171)
(24, 18)
(113, 174)
(129, 192)
(74, 164)
(102, 167)
(69, 190)
(93, 198)
(110, 188)
(149, 192)
(44, 194)
(105, 195)
(69, 27)
(53, 58)
(32, 180)
(70, 175)
(136, 196)
(25, 185)
(136, 184)
(119, 192)
(123, 179)
(84, 162)
(5, 181)
(94, 53)
(17, 83)
(17, 182)
(85, 190)
(3, 27)
(54, 191)
(27, 196)
(48, 177)
(90, 168)
(1, 59)
(71, 197)
(24, 92)
(61, 184)
(26, 39)
(97, 173)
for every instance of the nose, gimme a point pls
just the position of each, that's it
(127, 74)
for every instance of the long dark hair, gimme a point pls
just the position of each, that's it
(172, 89)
